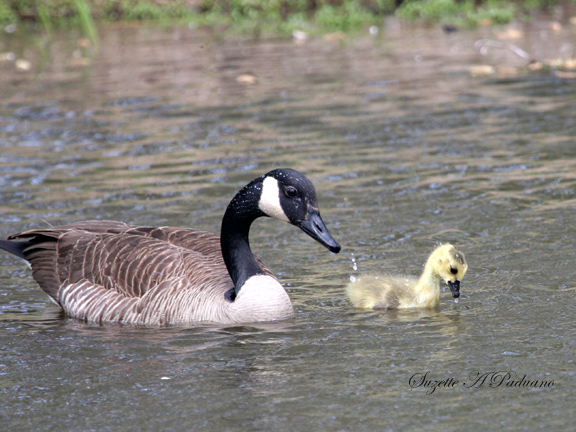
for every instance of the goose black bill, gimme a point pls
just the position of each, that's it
(315, 228)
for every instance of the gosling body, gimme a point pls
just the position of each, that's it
(393, 292)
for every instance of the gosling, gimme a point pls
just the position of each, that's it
(389, 292)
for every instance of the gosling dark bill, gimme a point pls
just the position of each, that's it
(455, 288)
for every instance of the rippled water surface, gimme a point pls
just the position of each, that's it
(406, 149)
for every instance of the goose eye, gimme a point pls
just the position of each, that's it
(291, 191)
(453, 270)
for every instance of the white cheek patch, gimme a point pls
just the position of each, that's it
(270, 199)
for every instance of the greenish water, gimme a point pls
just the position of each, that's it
(406, 150)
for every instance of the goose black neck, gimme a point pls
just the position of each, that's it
(234, 242)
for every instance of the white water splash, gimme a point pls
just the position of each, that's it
(354, 267)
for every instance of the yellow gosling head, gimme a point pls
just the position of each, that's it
(450, 264)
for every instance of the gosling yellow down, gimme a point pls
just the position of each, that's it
(393, 292)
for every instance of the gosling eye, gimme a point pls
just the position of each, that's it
(291, 191)
(453, 270)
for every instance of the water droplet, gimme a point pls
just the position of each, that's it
(352, 279)
(455, 300)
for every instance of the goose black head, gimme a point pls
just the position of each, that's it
(290, 196)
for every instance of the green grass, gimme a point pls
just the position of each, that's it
(260, 16)
(464, 13)
(86, 21)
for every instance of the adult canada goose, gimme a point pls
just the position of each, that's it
(104, 271)
(389, 292)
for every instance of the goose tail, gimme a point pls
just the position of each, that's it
(15, 247)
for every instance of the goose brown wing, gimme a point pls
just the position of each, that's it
(129, 260)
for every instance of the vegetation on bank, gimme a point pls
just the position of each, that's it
(265, 15)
